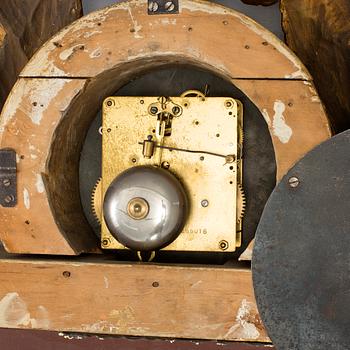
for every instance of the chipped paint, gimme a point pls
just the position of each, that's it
(68, 53)
(196, 284)
(243, 327)
(203, 6)
(279, 126)
(91, 33)
(167, 21)
(70, 336)
(40, 95)
(137, 27)
(14, 313)
(39, 184)
(26, 198)
(96, 53)
(106, 282)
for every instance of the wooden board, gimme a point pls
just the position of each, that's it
(45, 119)
(24, 26)
(319, 31)
(144, 300)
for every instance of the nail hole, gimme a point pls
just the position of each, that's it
(247, 47)
(22, 156)
(201, 158)
(66, 274)
(27, 222)
(190, 29)
(34, 104)
(225, 23)
(231, 167)
(155, 284)
(217, 135)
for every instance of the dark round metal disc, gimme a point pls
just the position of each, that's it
(301, 259)
(145, 208)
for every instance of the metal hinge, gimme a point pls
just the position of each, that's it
(8, 178)
(162, 7)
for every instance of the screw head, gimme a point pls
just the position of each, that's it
(176, 110)
(105, 242)
(154, 110)
(6, 182)
(155, 284)
(169, 6)
(223, 245)
(109, 103)
(153, 6)
(204, 203)
(228, 104)
(66, 274)
(8, 199)
(293, 182)
(165, 165)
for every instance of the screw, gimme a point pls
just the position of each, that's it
(293, 182)
(204, 203)
(6, 182)
(105, 242)
(155, 284)
(223, 245)
(169, 6)
(201, 158)
(109, 103)
(153, 6)
(66, 274)
(9, 199)
(133, 160)
(228, 104)
(154, 110)
(166, 165)
(176, 110)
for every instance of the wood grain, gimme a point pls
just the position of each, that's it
(144, 300)
(319, 32)
(27, 24)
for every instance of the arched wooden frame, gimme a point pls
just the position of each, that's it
(48, 111)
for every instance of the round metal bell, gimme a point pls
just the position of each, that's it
(145, 208)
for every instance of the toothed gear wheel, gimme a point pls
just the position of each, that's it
(241, 202)
(96, 200)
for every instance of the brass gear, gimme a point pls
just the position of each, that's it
(241, 202)
(96, 200)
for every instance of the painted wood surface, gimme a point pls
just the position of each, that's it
(143, 300)
(24, 26)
